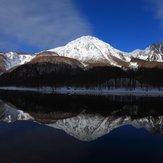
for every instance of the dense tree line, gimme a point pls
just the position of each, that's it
(104, 105)
(62, 74)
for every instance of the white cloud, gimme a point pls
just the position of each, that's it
(43, 24)
(157, 7)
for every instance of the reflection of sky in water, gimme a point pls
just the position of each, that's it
(31, 142)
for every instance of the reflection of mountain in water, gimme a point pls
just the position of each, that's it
(10, 114)
(90, 127)
(85, 117)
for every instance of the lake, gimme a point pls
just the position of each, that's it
(39, 128)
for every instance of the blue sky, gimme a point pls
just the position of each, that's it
(35, 25)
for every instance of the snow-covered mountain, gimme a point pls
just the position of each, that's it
(13, 59)
(153, 53)
(135, 52)
(90, 50)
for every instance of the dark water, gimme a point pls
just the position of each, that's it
(112, 129)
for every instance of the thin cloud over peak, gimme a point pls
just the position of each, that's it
(157, 8)
(42, 24)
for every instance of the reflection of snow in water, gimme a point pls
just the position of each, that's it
(86, 127)
(9, 114)
(89, 127)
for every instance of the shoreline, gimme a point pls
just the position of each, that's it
(84, 91)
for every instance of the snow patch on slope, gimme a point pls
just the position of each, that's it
(133, 65)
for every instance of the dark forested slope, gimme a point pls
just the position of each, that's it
(64, 74)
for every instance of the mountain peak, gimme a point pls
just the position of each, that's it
(153, 53)
(157, 47)
(87, 38)
(90, 50)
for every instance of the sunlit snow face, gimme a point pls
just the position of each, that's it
(90, 49)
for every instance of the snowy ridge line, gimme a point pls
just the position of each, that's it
(84, 91)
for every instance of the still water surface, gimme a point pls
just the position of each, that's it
(37, 128)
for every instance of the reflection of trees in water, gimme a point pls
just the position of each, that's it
(103, 105)
(102, 112)
(2, 109)
(45, 103)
